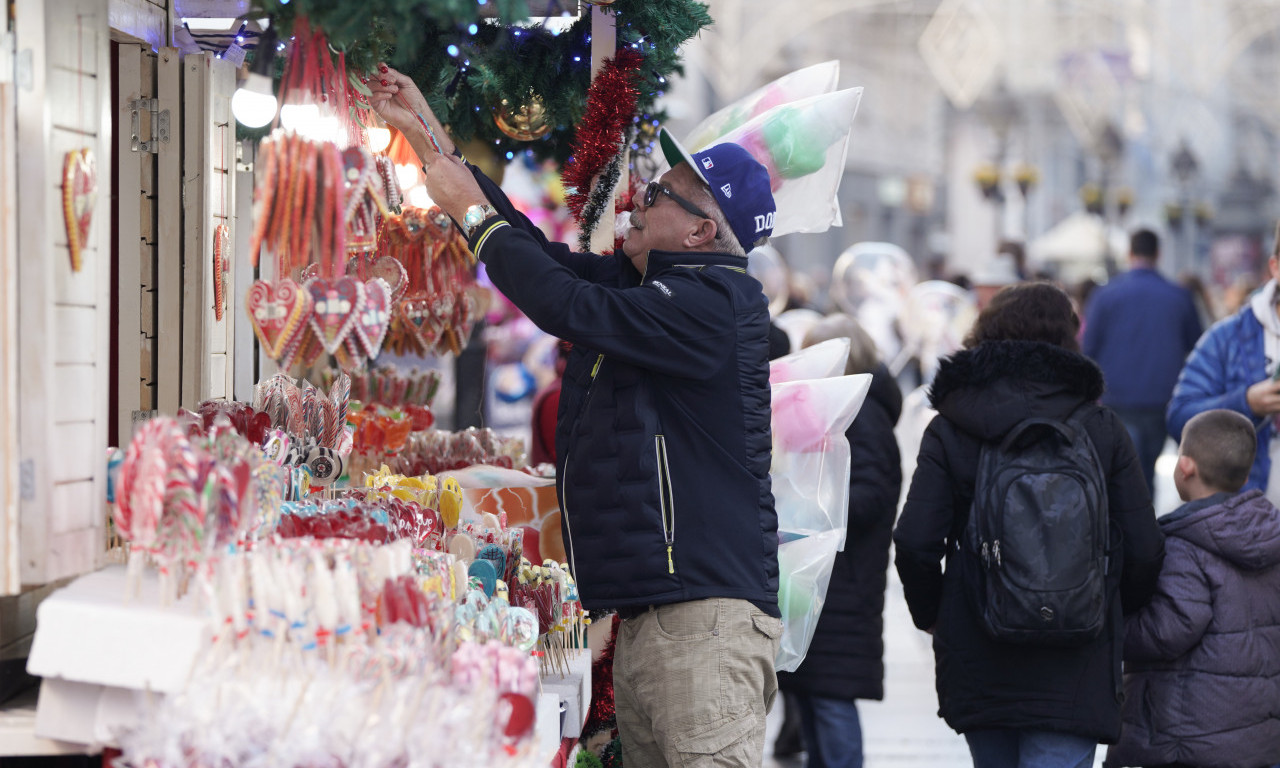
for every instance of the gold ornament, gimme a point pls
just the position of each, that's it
(525, 123)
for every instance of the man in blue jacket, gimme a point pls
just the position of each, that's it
(1138, 329)
(663, 440)
(1235, 366)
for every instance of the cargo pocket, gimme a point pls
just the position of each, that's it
(767, 625)
(730, 740)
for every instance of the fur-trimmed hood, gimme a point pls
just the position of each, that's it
(987, 390)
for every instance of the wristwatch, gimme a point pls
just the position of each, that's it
(475, 216)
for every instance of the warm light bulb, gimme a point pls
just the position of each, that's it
(419, 198)
(253, 103)
(379, 139)
(295, 117)
(407, 175)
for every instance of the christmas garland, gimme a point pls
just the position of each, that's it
(470, 55)
(597, 147)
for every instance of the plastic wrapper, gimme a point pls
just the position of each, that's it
(801, 84)
(828, 358)
(810, 475)
(872, 282)
(803, 145)
(938, 316)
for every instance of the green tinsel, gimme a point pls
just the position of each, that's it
(499, 61)
(587, 759)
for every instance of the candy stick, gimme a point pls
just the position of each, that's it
(431, 135)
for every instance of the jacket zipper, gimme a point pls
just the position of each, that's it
(666, 499)
(568, 526)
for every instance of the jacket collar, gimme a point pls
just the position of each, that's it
(660, 261)
(1030, 361)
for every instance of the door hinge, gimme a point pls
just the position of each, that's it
(27, 480)
(159, 125)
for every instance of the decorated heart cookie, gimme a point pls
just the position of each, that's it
(79, 193)
(278, 312)
(336, 306)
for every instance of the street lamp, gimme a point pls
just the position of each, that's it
(1186, 168)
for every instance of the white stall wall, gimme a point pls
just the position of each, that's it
(64, 315)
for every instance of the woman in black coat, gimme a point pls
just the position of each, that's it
(1020, 705)
(846, 657)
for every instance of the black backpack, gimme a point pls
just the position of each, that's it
(1038, 531)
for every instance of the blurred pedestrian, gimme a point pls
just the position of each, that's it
(997, 273)
(1236, 365)
(1201, 674)
(1020, 705)
(1139, 328)
(846, 657)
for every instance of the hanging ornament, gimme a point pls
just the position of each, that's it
(221, 249)
(79, 192)
(524, 123)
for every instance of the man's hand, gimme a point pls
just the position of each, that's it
(452, 187)
(388, 86)
(1264, 397)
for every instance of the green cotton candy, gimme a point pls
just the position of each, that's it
(794, 601)
(798, 141)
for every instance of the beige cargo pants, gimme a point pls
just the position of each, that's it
(693, 682)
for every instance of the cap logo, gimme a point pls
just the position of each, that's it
(764, 222)
(706, 163)
(727, 190)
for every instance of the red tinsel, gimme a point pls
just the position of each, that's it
(611, 107)
(601, 715)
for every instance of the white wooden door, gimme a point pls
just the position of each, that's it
(10, 582)
(209, 200)
(63, 314)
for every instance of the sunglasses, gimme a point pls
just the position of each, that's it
(651, 196)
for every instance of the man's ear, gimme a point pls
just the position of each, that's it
(702, 236)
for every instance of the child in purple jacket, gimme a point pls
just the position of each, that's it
(1202, 659)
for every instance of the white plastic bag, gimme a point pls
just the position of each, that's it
(801, 84)
(828, 358)
(803, 145)
(810, 475)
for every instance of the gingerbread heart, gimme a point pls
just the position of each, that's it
(388, 268)
(79, 193)
(336, 305)
(371, 325)
(221, 265)
(277, 312)
(418, 319)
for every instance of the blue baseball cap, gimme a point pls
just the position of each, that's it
(739, 183)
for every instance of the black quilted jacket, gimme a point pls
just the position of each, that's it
(663, 440)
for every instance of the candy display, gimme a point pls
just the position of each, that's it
(378, 603)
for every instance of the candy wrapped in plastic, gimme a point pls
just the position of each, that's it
(810, 452)
(810, 475)
(803, 145)
(872, 282)
(938, 316)
(827, 358)
(801, 84)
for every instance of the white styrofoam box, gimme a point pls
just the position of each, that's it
(547, 726)
(67, 711)
(134, 643)
(574, 689)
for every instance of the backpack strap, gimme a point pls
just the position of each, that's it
(1026, 424)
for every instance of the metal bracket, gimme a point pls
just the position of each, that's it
(159, 125)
